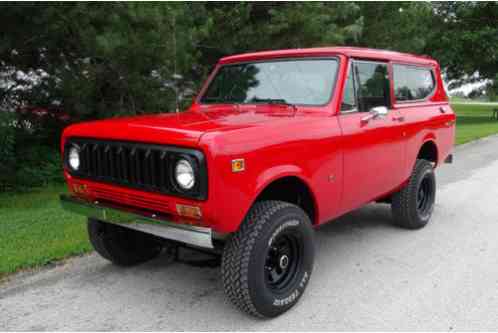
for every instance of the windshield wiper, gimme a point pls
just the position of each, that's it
(276, 101)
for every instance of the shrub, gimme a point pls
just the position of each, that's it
(37, 166)
(26, 161)
(7, 148)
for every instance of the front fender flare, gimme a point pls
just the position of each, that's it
(275, 173)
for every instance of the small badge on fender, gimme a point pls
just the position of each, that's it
(238, 165)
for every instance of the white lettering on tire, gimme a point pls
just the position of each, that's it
(294, 295)
(304, 280)
(289, 299)
(291, 223)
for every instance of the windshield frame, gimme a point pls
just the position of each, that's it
(271, 60)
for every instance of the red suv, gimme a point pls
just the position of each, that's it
(275, 144)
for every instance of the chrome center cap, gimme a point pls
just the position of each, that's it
(284, 262)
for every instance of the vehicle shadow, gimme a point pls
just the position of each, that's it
(374, 216)
(191, 287)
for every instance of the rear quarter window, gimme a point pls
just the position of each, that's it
(412, 83)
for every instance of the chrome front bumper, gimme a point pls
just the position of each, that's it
(145, 222)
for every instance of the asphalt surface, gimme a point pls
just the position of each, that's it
(369, 275)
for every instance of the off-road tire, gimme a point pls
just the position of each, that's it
(245, 258)
(405, 203)
(122, 246)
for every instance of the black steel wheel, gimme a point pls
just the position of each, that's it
(267, 264)
(425, 196)
(282, 261)
(413, 205)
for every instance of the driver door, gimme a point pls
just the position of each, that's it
(373, 144)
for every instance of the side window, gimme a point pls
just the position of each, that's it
(372, 85)
(349, 98)
(412, 83)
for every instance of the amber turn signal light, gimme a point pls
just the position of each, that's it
(189, 211)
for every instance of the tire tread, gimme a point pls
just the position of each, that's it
(404, 214)
(106, 241)
(235, 260)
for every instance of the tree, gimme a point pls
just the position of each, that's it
(108, 59)
(245, 27)
(95, 61)
(399, 26)
(465, 40)
(100, 60)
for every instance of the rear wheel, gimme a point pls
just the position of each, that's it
(413, 205)
(267, 264)
(122, 246)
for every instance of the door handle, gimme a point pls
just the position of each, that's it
(442, 110)
(399, 118)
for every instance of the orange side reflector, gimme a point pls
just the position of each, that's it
(189, 211)
(238, 165)
(79, 188)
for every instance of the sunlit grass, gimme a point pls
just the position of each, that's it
(474, 122)
(34, 230)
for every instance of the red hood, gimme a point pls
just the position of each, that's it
(183, 129)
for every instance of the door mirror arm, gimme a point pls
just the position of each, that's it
(374, 113)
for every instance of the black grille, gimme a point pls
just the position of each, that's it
(137, 165)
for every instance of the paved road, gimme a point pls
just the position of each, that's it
(369, 275)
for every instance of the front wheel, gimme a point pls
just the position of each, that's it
(122, 246)
(412, 206)
(267, 264)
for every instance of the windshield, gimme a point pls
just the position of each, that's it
(305, 82)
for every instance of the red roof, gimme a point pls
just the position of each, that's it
(354, 52)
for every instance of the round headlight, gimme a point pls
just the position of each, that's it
(184, 174)
(74, 158)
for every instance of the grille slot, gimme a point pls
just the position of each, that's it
(137, 165)
(111, 162)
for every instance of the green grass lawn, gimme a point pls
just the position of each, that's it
(34, 230)
(474, 122)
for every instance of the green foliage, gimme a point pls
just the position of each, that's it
(493, 90)
(244, 27)
(100, 59)
(465, 39)
(7, 148)
(32, 166)
(37, 166)
(26, 160)
(112, 59)
(7, 136)
(121, 58)
(399, 26)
